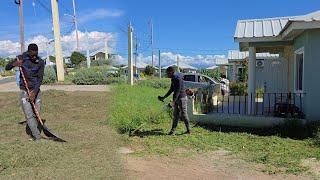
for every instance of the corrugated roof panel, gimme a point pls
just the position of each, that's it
(238, 55)
(241, 29)
(267, 28)
(283, 22)
(258, 29)
(276, 27)
(249, 29)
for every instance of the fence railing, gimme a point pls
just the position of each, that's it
(258, 104)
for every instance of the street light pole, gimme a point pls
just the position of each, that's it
(75, 23)
(22, 44)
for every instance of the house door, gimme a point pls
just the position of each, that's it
(273, 76)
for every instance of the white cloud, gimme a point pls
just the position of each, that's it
(93, 41)
(168, 58)
(8, 47)
(99, 14)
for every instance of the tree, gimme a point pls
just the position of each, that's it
(52, 59)
(77, 58)
(3, 62)
(215, 74)
(150, 70)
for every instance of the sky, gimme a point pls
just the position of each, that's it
(198, 31)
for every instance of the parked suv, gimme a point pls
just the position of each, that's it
(200, 81)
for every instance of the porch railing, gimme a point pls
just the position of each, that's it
(258, 104)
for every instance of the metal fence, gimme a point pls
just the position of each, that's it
(258, 104)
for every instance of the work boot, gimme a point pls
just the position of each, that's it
(188, 132)
(171, 133)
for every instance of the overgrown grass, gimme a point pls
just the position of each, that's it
(132, 106)
(91, 150)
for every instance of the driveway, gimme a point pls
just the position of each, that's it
(9, 86)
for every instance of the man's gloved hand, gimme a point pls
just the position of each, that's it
(160, 98)
(32, 96)
(171, 104)
(18, 61)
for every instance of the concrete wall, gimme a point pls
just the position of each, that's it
(274, 75)
(310, 40)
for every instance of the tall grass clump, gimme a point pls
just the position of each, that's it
(134, 105)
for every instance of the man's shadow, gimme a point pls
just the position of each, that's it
(153, 132)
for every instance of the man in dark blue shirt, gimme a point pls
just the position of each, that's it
(33, 69)
(180, 100)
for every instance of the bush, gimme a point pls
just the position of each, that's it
(115, 80)
(215, 74)
(50, 75)
(89, 77)
(150, 71)
(101, 62)
(156, 83)
(239, 89)
(96, 76)
(8, 73)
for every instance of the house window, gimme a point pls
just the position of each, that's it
(299, 63)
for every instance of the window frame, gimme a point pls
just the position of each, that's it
(299, 52)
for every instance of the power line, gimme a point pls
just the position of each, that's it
(44, 6)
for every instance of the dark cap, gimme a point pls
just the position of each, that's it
(33, 47)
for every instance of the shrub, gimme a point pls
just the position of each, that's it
(89, 77)
(101, 62)
(150, 71)
(50, 75)
(156, 83)
(215, 74)
(8, 73)
(96, 76)
(115, 80)
(239, 89)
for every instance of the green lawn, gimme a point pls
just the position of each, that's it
(91, 150)
(132, 106)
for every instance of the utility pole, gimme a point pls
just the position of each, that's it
(21, 15)
(130, 65)
(151, 41)
(88, 55)
(75, 24)
(106, 49)
(178, 63)
(57, 42)
(159, 64)
(136, 54)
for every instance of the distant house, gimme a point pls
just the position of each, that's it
(297, 40)
(186, 68)
(99, 55)
(223, 66)
(267, 68)
(139, 68)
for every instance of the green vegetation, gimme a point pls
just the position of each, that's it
(132, 106)
(91, 150)
(215, 74)
(96, 76)
(76, 58)
(8, 73)
(50, 75)
(238, 88)
(102, 62)
(150, 71)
